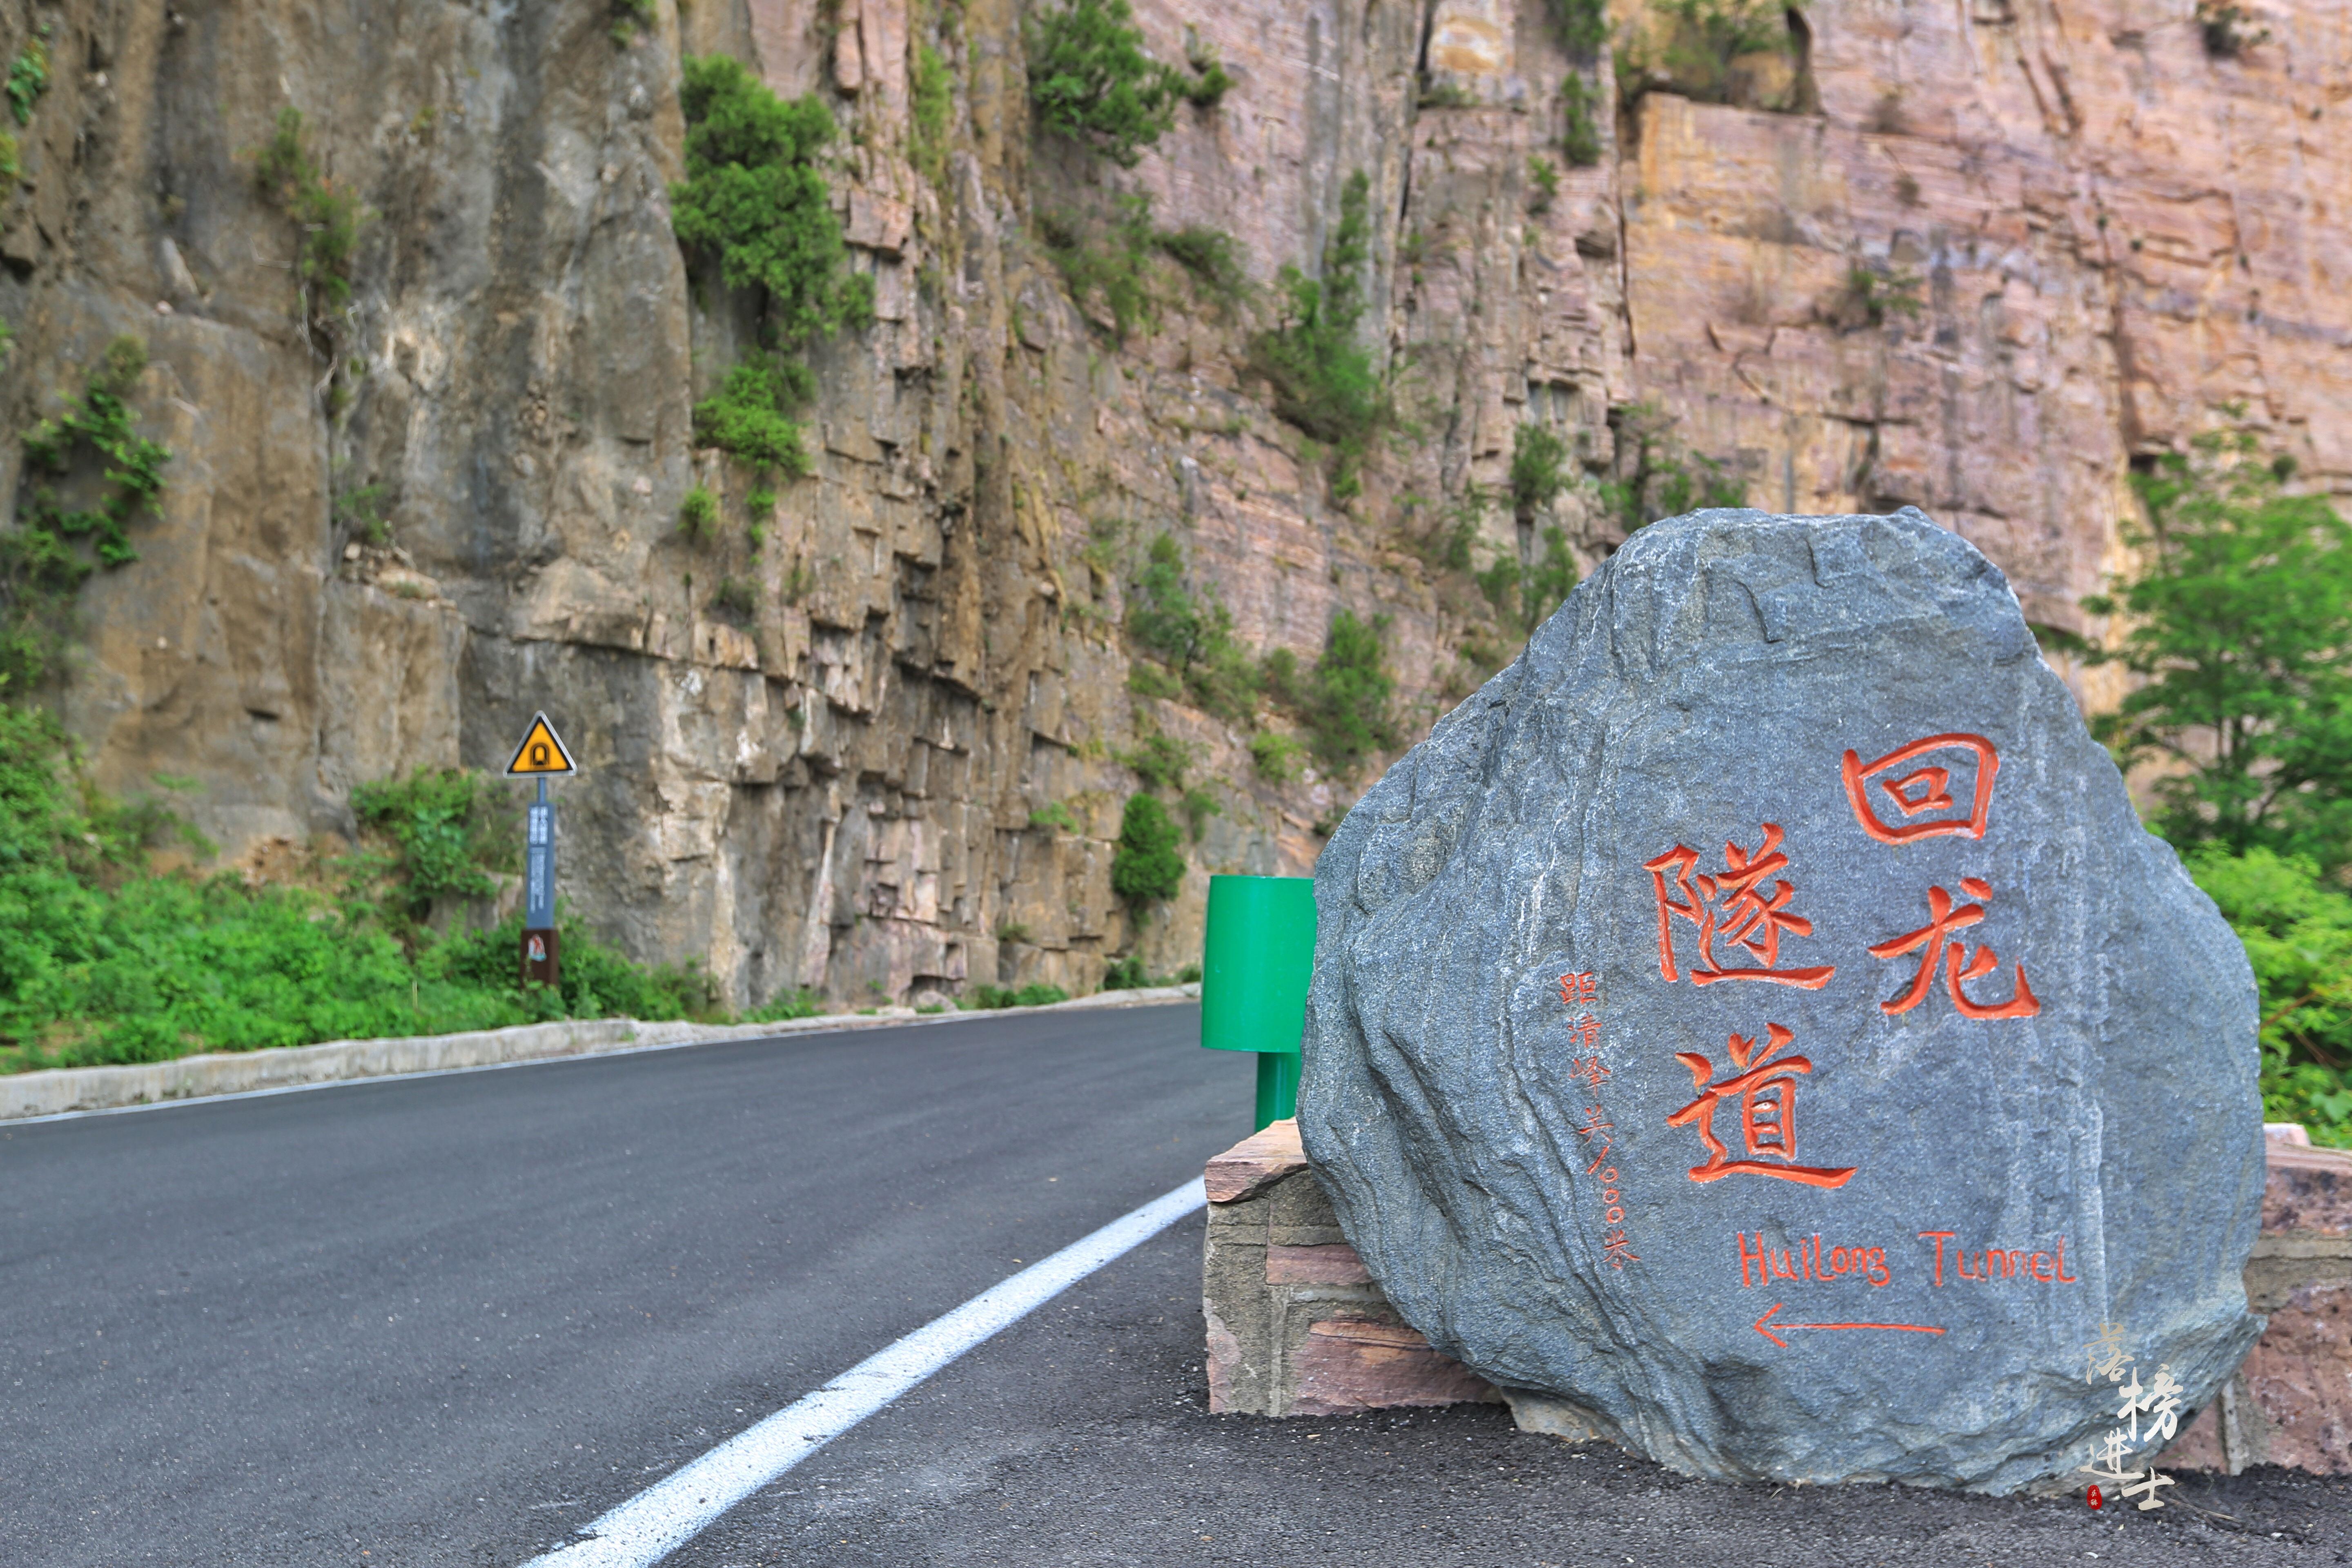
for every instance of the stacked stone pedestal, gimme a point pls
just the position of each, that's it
(1298, 1326)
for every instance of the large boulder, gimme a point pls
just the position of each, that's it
(1758, 1018)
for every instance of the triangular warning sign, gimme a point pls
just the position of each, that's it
(541, 751)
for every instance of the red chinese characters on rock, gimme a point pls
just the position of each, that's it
(1915, 793)
(1580, 994)
(1734, 908)
(1766, 1090)
(1933, 941)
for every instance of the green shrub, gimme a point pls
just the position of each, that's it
(1193, 636)
(1346, 707)
(1276, 757)
(2219, 22)
(9, 171)
(1580, 141)
(103, 961)
(92, 450)
(698, 514)
(1147, 866)
(930, 116)
(1322, 379)
(747, 417)
(28, 77)
(753, 198)
(1091, 80)
(2298, 933)
(1582, 26)
(329, 217)
(736, 599)
(631, 18)
(2239, 624)
(1128, 974)
(1538, 469)
(1871, 295)
(1210, 257)
(1036, 995)
(1199, 805)
(1543, 179)
(1160, 761)
(1107, 262)
(1210, 80)
(1054, 815)
(800, 1002)
(1694, 47)
(446, 823)
(1662, 478)
(1525, 597)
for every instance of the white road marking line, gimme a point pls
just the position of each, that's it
(672, 1512)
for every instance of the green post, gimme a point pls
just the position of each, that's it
(1258, 956)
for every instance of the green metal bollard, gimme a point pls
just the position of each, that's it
(1258, 955)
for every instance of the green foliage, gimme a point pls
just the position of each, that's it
(1108, 262)
(1199, 805)
(28, 78)
(931, 112)
(1160, 761)
(698, 515)
(1871, 296)
(1128, 974)
(1527, 597)
(1695, 47)
(1344, 705)
(1658, 476)
(1210, 257)
(631, 18)
(1195, 636)
(1582, 26)
(800, 1002)
(1538, 469)
(104, 961)
(736, 599)
(2298, 933)
(2241, 631)
(1054, 815)
(747, 417)
(1579, 141)
(1091, 80)
(1321, 377)
(444, 822)
(9, 170)
(330, 217)
(1037, 995)
(92, 450)
(753, 198)
(2219, 22)
(1148, 864)
(1276, 757)
(1210, 81)
(1543, 180)
(1445, 95)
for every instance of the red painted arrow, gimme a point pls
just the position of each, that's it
(1764, 1325)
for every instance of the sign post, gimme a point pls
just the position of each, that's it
(1258, 954)
(542, 756)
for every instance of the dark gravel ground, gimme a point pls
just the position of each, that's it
(1082, 1436)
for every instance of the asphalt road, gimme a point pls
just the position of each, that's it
(446, 1320)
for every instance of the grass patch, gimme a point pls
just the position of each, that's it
(930, 106)
(329, 217)
(990, 998)
(1580, 141)
(28, 75)
(1703, 49)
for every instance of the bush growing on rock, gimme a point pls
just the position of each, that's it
(1148, 865)
(1323, 380)
(1091, 80)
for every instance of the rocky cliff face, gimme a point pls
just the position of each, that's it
(816, 763)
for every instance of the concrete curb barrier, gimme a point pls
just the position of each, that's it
(67, 1092)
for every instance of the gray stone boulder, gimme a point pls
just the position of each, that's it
(1759, 1019)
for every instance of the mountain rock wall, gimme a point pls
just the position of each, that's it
(393, 532)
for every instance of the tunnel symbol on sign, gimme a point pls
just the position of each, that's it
(541, 751)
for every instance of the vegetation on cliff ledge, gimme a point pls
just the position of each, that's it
(1323, 379)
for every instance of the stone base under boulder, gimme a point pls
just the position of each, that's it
(1296, 1327)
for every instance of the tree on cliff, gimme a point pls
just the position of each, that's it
(2240, 630)
(1091, 80)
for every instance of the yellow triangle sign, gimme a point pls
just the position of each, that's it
(541, 752)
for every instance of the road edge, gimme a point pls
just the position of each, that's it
(68, 1091)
